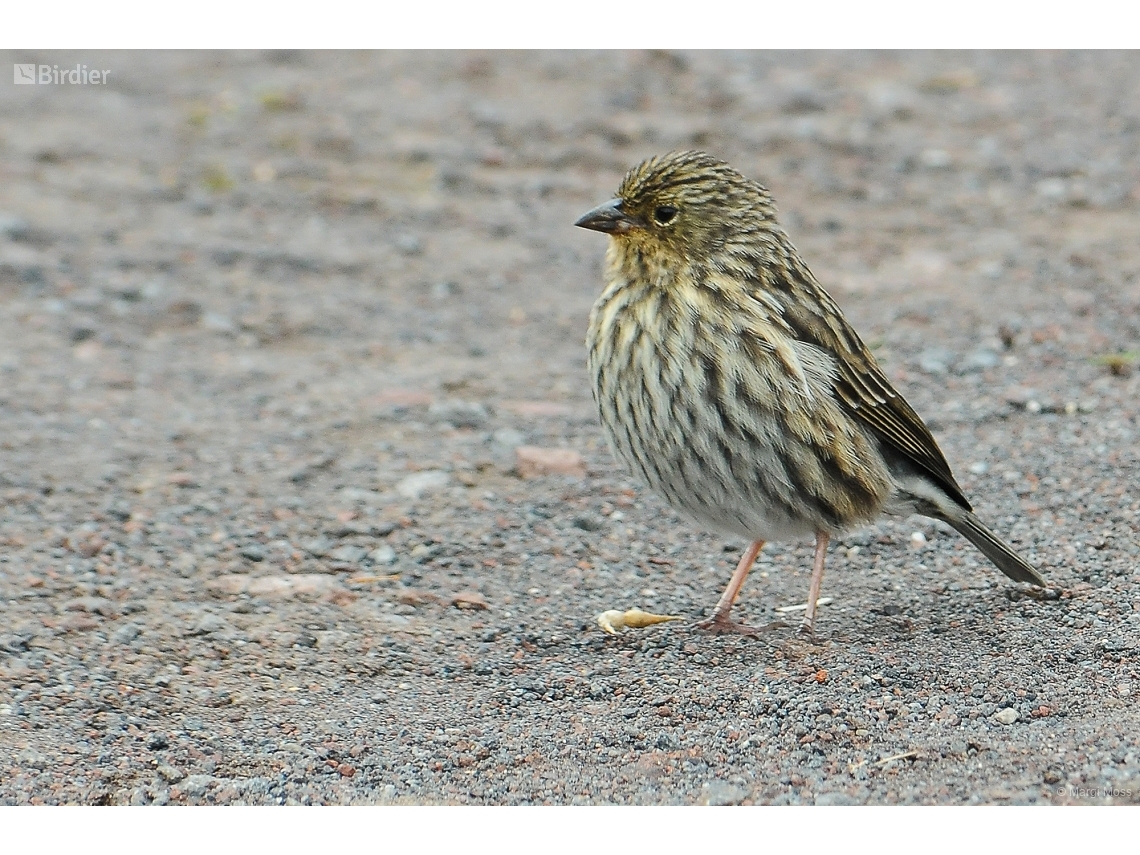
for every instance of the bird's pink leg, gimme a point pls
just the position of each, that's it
(720, 622)
(807, 626)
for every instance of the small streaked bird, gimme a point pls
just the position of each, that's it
(730, 382)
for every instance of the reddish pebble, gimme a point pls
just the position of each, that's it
(538, 408)
(346, 770)
(413, 597)
(533, 461)
(78, 623)
(469, 600)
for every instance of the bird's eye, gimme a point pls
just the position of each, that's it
(664, 214)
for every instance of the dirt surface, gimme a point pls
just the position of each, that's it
(273, 328)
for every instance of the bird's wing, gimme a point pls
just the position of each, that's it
(862, 387)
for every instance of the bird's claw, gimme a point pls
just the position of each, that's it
(725, 625)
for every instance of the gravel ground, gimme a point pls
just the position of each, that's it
(275, 326)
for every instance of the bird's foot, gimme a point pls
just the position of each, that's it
(806, 629)
(722, 624)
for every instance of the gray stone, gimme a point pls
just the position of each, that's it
(318, 546)
(33, 759)
(348, 554)
(409, 244)
(196, 785)
(207, 624)
(170, 774)
(508, 439)
(935, 158)
(589, 522)
(363, 527)
(126, 633)
(443, 290)
(1006, 716)
(359, 496)
(834, 799)
(427, 481)
(1052, 188)
(424, 552)
(254, 552)
(331, 639)
(469, 414)
(219, 323)
(185, 564)
(978, 360)
(724, 793)
(935, 360)
(383, 554)
(13, 226)
(91, 605)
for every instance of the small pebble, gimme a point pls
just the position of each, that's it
(935, 158)
(936, 360)
(460, 414)
(533, 461)
(170, 774)
(383, 554)
(348, 554)
(724, 793)
(1006, 716)
(428, 481)
(126, 633)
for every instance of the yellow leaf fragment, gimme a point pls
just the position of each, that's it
(613, 621)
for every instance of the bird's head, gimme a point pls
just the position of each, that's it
(686, 202)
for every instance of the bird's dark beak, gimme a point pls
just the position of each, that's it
(608, 218)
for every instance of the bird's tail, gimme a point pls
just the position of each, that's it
(993, 547)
